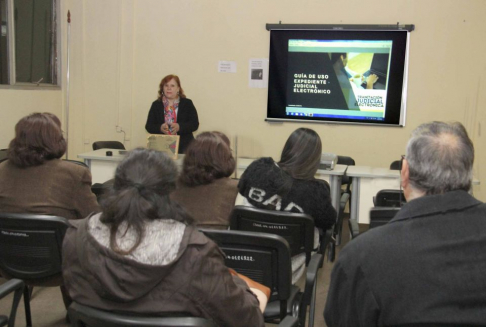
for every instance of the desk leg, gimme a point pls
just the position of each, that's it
(355, 199)
(335, 191)
(88, 163)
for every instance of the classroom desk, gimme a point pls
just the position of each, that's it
(332, 176)
(103, 167)
(367, 181)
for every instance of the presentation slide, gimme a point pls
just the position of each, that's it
(343, 79)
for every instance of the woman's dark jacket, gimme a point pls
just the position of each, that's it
(186, 118)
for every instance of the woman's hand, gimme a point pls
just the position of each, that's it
(261, 291)
(174, 128)
(251, 283)
(164, 128)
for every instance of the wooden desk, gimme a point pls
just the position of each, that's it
(367, 181)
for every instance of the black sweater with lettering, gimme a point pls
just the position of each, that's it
(262, 182)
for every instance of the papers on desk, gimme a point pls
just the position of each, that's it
(164, 143)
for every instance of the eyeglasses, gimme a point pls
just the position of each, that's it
(402, 157)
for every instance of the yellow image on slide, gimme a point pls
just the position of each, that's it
(359, 62)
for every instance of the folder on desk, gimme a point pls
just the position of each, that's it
(164, 143)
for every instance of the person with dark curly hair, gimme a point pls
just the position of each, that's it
(35, 179)
(204, 187)
(144, 255)
(173, 113)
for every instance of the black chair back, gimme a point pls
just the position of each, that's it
(296, 228)
(108, 145)
(82, 316)
(390, 198)
(346, 180)
(396, 165)
(382, 215)
(265, 258)
(30, 245)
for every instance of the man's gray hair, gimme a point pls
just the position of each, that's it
(440, 158)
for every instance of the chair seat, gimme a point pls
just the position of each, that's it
(272, 311)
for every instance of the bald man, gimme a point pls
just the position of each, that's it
(428, 264)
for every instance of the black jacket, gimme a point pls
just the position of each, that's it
(186, 118)
(260, 184)
(427, 265)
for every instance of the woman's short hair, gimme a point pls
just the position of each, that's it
(207, 158)
(165, 80)
(38, 138)
(301, 154)
(143, 181)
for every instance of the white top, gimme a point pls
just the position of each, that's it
(371, 172)
(339, 170)
(100, 154)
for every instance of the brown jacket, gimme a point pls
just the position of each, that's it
(56, 187)
(210, 205)
(196, 283)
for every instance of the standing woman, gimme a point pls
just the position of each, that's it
(172, 113)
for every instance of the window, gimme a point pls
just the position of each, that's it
(29, 42)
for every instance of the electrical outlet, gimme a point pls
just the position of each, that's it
(118, 129)
(87, 141)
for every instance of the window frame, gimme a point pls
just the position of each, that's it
(11, 60)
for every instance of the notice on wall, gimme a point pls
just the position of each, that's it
(258, 73)
(226, 66)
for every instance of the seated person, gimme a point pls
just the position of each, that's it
(143, 255)
(426, 266)
(35, 179)
(204, 188)
(289, 185)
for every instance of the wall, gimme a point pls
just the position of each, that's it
(15, 104)
(120, 50)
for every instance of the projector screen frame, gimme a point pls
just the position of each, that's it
(359, 28)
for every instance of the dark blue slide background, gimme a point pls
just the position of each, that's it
(317, 64)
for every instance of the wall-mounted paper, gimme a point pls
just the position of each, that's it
(227, 67)
(258, 73)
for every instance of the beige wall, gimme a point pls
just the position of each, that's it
(120, 50)
(15, 104)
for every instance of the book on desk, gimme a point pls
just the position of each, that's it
(164, 143)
